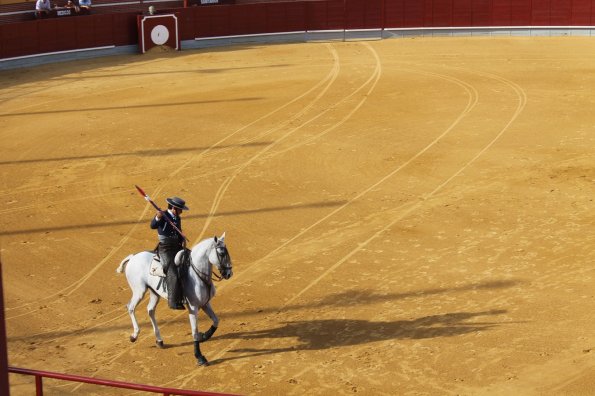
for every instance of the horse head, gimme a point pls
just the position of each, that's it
(219, 257)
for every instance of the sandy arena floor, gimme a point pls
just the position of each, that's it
(407, 216)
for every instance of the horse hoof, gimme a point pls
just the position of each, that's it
(132, 338)
(202, 361)
(160, 344)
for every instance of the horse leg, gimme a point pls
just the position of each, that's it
(200, 359)
(211, 314)
(192, 316)
(202, 337)
(137, 295)
(153, 300)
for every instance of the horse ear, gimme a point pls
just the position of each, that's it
(215, 238)
(222, 237)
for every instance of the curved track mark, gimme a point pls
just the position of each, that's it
(522, 100)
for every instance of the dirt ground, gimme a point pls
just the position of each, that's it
(407, 216)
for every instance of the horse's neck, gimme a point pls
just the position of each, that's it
(200, 257)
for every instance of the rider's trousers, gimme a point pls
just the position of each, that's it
(172, 281)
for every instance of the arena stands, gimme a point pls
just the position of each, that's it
(12, 11)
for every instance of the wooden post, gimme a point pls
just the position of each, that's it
(4, 388)
(344, 19)
(38, 385)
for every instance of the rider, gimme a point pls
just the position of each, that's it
(170, 243)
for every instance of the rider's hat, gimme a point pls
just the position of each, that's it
(177, 202)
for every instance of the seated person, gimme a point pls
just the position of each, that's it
(72, 6)
(42, 8)
(85, 5)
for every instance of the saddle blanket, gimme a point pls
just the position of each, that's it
(156, 268)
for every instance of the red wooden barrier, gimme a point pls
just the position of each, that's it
(481, 13)
(336, 15)
(561, 12)
(38, 374)
(393, 13)
(442, 12)
(276, 15)
(103, 29)
(462, 13)
(520, 12)
(540, 12)
(247, 19)
(502, 13)
(580, 13)
(316, 16)
(295, 17)
(414, 14)
(360, 14)
(99, 30)
(212, 21)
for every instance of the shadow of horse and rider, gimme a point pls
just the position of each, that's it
(321, 334)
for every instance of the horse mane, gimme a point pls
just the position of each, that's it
(200, 257)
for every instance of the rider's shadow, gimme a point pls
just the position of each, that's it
(330, 333)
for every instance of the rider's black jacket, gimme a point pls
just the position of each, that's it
(167, 234)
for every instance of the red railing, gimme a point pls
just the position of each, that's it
(38, 374)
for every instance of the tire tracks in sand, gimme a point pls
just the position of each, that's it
(373, 80)
(405, 212)
(325, 83)
(471, 103)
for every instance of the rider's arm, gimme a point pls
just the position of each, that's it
(157, 220)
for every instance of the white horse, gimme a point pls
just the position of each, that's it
(196, 270)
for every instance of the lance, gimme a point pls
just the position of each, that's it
(171, 223)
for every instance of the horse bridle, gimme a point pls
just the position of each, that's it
(223, 257)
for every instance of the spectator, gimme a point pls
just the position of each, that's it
(72, 6)
(85, 5)
(42, 8)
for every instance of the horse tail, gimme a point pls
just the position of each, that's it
(122, 265)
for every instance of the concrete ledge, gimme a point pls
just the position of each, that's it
(221, 41)
(286, 37)
(363, 34)
(64, 56)
(530, 31)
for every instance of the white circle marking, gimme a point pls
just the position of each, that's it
(159, 35)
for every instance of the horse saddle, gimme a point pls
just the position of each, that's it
(156, 268)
